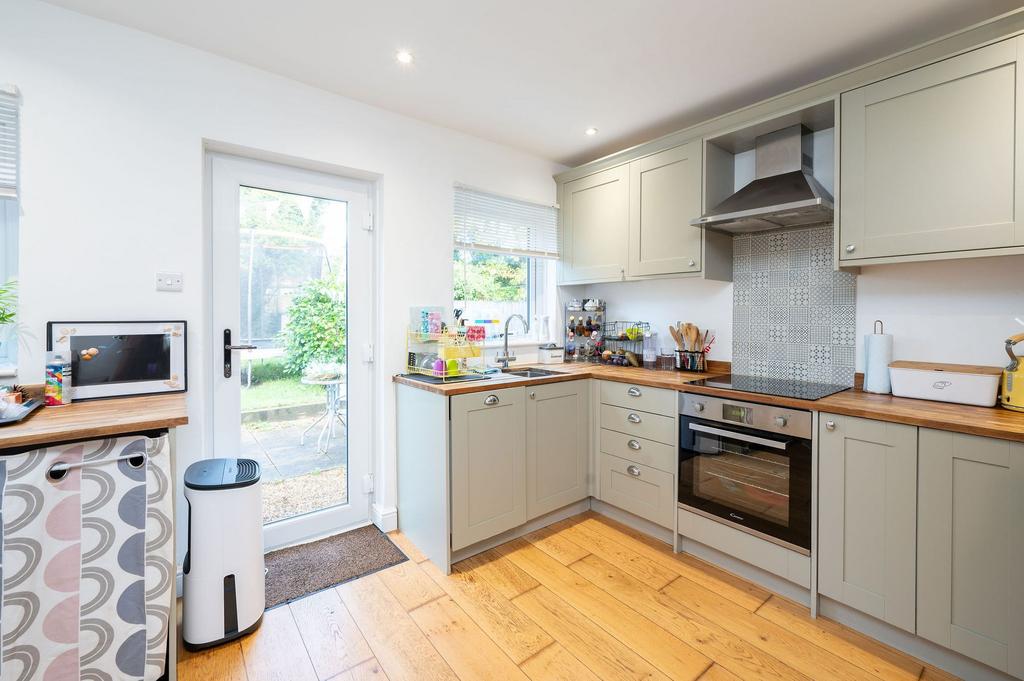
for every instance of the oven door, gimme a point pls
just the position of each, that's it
(757, 481)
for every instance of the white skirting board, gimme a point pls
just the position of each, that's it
(385, 517)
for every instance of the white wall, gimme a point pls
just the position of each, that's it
(708, 304)
(955, 311)
(114, 123)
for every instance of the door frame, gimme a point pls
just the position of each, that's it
(361, 484)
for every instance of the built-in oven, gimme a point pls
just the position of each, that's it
(747, 465)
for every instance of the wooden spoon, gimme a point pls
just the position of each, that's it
(676, 336)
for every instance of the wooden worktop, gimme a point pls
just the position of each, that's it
(985, 421)
(672, 380)
(96, 419)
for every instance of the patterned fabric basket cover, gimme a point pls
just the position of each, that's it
(87, 562)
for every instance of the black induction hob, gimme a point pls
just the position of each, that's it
(780, 387)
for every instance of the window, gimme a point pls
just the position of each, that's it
(9, 149)
(504, 262)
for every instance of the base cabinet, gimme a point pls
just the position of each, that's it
(488, 464)
(557, 445)
(970, 575)
(867, 511)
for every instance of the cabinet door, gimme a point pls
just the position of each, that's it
(970, 591)
(867, 512)
(664, 196)
(595, 222)
(488, 460)
(931, 158)
(557, 445)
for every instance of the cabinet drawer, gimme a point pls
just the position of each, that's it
(640, 450)
(639, 424)
(761, 553)
(654, 400)
(643, 491)
(488, 398)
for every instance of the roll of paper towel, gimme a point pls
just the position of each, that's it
(877, 357)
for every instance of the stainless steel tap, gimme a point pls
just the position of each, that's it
(504, 358)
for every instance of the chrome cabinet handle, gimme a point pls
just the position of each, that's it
(634, 392)
(633, 418)
(830, 425)
(491, 400)
(850, 248)
(633, 444)
(633, 470)
(692, 262)
(533, 395)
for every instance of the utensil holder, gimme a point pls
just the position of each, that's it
(687, 360)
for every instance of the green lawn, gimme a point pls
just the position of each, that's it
(285, 392)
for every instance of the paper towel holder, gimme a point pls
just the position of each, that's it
(878, 328)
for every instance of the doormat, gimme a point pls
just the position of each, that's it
(301, 570)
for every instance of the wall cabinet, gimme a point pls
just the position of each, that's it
(557, 445)
(932, 161)
(488, 464)
(633, 222)
(665, 190)
(595, 220)
(867, 512)
(970, 595)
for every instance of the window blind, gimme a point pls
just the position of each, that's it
(488, 222)
(8, 143)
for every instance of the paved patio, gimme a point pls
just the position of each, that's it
(297, 478)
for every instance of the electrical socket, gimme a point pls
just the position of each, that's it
(169, 281)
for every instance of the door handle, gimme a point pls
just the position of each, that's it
(228, 347)
(633, 470)
(633, 392)
(633, 418)
(491, 400)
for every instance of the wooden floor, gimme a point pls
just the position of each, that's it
(582, 600)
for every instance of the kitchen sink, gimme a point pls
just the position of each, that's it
(531, 373)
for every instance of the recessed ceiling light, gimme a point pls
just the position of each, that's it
(404, 56)
(590, 132)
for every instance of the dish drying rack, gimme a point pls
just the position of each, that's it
(458, 353)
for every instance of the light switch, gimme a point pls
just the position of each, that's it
(168, 281)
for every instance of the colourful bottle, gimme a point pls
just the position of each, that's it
(57, 390)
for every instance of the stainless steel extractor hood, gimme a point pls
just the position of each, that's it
(783, 193)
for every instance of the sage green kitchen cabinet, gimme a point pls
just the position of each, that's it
(557, 445)
(595, 221)
(970, 574)
(488, 464)
(932, 160)
(867, 510)
(665, 194)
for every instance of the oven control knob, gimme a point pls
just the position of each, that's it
(698, 406)
(781, 421)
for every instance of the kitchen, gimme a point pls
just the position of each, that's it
(659, 364)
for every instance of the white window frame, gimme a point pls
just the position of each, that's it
(541, 298)
(8, 271)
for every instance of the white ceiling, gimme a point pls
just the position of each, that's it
(533, 74)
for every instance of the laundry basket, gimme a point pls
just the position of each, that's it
(223, 572)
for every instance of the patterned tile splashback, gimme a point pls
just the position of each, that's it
(793, 316)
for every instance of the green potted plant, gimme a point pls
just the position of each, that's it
(8, 313)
